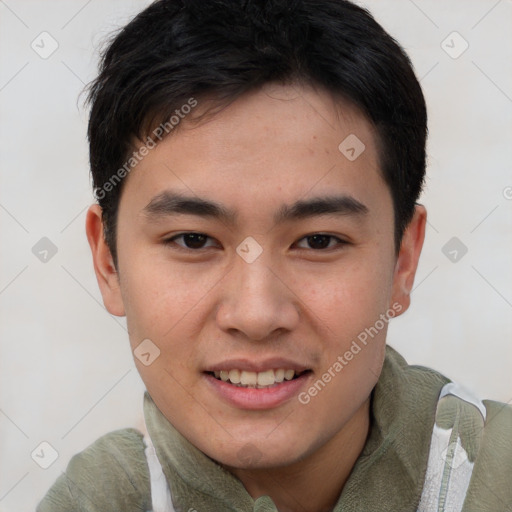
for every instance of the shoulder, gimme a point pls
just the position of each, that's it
(492, 474)
(110, 475)
(480, 426)
(470, 460)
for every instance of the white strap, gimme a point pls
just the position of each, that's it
(449, 469)
(160, 491)
(452, 388)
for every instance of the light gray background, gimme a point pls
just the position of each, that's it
(66, 369)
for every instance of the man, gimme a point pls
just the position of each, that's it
(257, 167)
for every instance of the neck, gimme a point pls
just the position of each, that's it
(313, 484)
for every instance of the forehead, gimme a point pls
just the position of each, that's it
(280, 142)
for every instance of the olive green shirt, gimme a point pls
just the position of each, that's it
(423, 453)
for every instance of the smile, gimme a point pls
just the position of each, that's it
(258, 380)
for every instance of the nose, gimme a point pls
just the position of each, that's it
(256, 301)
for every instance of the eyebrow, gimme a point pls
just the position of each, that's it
(169, 203)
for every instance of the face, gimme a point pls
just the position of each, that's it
(259, 258)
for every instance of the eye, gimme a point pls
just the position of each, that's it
(318, 241)
(191, 240)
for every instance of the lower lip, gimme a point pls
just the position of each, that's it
(258, 398)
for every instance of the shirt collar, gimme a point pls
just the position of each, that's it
(391, 467)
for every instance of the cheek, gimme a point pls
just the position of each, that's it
(348, 309)
(351, 297)
(349, 314)
(159, 295)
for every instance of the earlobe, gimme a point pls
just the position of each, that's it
(106, 273)
(408, 258)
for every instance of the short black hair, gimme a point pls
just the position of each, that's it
(178, 51)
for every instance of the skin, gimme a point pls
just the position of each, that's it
(268, 148)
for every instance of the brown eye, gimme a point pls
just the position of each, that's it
(189, 241)
(320, 241)
(194, 240)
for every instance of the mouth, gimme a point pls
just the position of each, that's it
(250, 384)
(257, 380)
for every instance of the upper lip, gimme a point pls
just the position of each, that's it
(257, 366)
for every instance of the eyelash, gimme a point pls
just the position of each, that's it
(171, 241)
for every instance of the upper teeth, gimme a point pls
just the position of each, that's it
(253, 379)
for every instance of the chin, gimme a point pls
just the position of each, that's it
(255, 454)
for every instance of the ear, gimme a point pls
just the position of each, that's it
(408, 257)
(106, 273)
